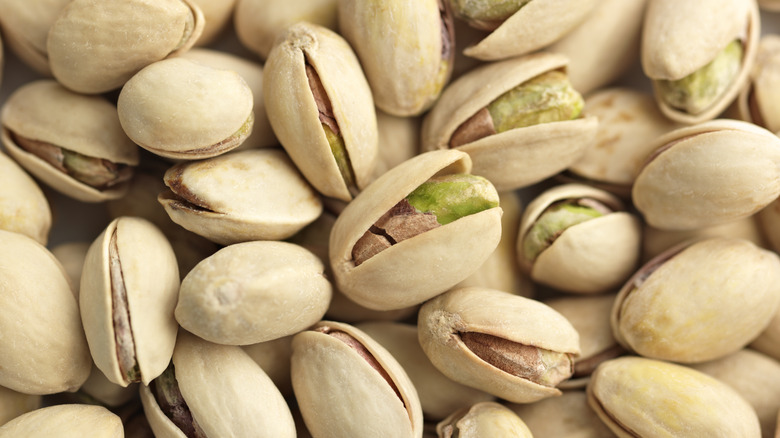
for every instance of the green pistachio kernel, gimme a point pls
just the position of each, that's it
(487, 10)
(702, 88)
(339, 151)
(92, 171)
(451, 197)
(552, 223)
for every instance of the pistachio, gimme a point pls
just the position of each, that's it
(165, 389)
(25, 27)
(557, 218)
(217, 14)
(571, 417)
(486, 15)
(14, 404)
(66, 421)
(23, 206)
(482, 420)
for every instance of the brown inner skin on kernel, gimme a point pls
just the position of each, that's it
(400, 223)
(166, 392)
(123, 335)
(183, 198)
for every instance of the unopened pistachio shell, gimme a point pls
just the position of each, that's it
(66, 421)
(25, 27)
(23, 207)
(14, 404)
(639, 397)
(566, 416)
(44, 347)
(758, 100)
(481, 420)
(96, 45)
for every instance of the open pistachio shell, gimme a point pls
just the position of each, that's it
(256, 194)
(25, 27)
(681, 37)
(129, 286)
(639, 397)
(23, 207)
(482, 420)
(708, 174)
(758, 101)
(536, 25)
(413, 270)
(66, 421)
(81, 135)
(517, 157)
(347, 384)
(95, 47)
(321, 109)
(509, 346)
(675, 306)
(592, 256)
(768, 342)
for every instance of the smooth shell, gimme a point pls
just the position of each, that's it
(26, 26)
(573, 417)
(487, 419)
(23, 207)
(758, 100)
(65, 421)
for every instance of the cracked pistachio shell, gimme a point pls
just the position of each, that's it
(528, 325)
(593, 256)
(95, 46)
(65, 421)
(517, 157)
(23, 206)
(253, 292)
(483, 420)
(149, 276)
(226, 392)
(708, 174)
(248, 195)
(566, 416)
(758, 100)
(680, 37)
(537, 24)
(347, 384)
(44, 348)
(45, 111)
(217, 15)
(14, 404)
(402, 48)
(706, 285)
(297, 121)
(25, 27)
(423, 266)
(639, 397)
(177, 108)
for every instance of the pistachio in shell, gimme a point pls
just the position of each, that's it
(66, 421)
(757, 101)
(566, 416)
(483, 419)
(25, 28)
(23, 207)
(217, 15)
(14, 404)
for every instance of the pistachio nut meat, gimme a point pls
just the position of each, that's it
(758, 100)
(698, 59)
(320, 107)
(579, 239)
(387, 245)
(66, 421)
(211, 390)
(346, 384)
(481, 420)
(527, 126)
(129, 286)
(708, 174)
(640, 397)
(23, 206)
(676, 306)
(256, 194)
(25, 28)
(72, 142)
(406, 48)
(95, 46)
(510, 346)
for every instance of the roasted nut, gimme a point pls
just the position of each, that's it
(23, 207)
(566, 416)
(66, 421)
(14, 404)
(482, 420)
(758, 100)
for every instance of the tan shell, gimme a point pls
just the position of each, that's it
(96, 47)
(177, 108)
(217, 15)
(151, 279)
(227, 393)
(566, 416)
(496, 313)
(14, 404)
(410, 272)
(768, 342)
(45, 351)
(274, 358)
(709, 285)
(106, 392)
(757, 101)
(44, 110)
(249, 195)
(65, 421)
(712, 173)
(768, 220)
(23, 207)
(537, 24)
(330, 380)
(483, 420)
(679, 37)
(71, 256)
(514, 158)
(25, 27)
(293, 111)
(644, 397)
(591, 257)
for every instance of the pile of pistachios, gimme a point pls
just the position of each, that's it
(407, 218)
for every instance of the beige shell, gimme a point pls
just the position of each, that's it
(177, 108)
(591, 257)
(217, 15)
(639, 397)
(419, 268)
(151, 281)
(768, 342)
(566, 416)
(537, 24)
(44, 348)
(14, 404)
(757, 102)
(340, 394)
(253, 292)
(96, 47)
(23, 207)
(274, 358)
(769, 221)
(678, 312)
(43, 110)
(259, 22)
(400, 46)
(294, 115)
(65, 421)
(487, 419)
(679, 37)
(25, 27)
(227, 393)
(518, 157)
(514, 318)
(249, 195)
(708, 174)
